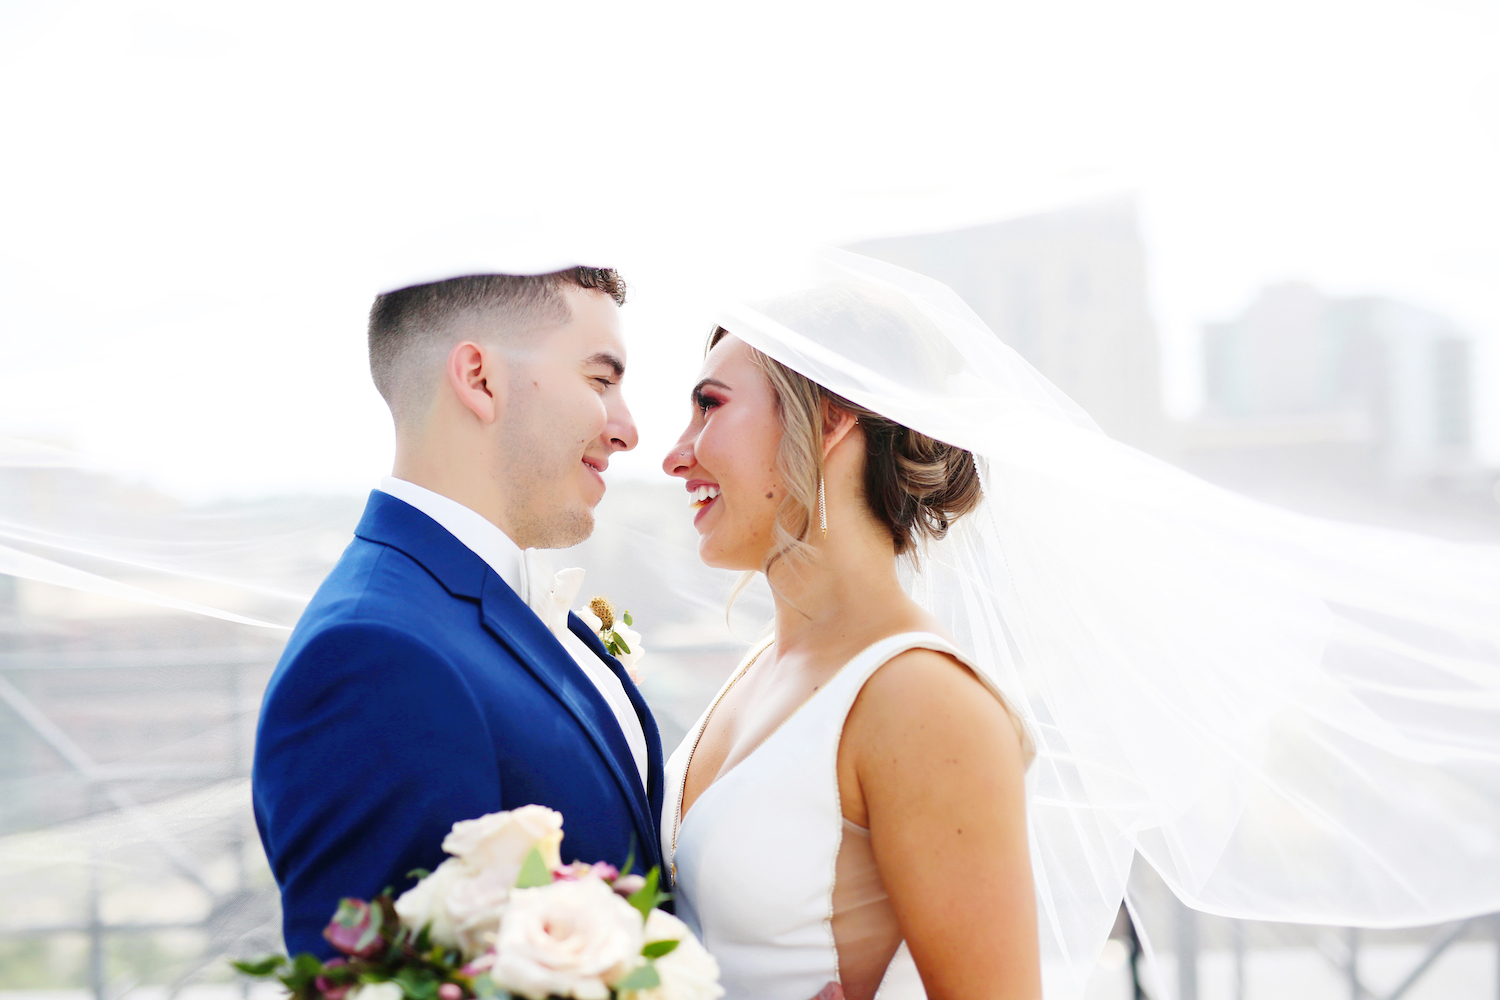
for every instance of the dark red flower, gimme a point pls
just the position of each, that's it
(329, 989)
(355, 929)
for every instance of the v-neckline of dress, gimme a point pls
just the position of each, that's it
(681, 817)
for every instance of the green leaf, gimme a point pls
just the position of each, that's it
(307, 964)
(263, 968)
(485, 988)
(644, 898)
(618, 642)
(627, 619)
(418, 873)
(629, 858)
(656, 949)
(644, 977)
(417, 984)
(534, 871)
(305, 968)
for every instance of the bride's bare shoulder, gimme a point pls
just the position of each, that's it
(922, 735)
(933, 701)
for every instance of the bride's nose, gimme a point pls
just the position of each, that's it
(679, 461)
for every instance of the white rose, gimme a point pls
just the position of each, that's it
(377, 991)
(499, 842)
(476, 903)
(567, 939)
(631, 660)
(688, 972)
(426, 903)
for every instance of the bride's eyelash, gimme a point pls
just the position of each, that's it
(704, 402)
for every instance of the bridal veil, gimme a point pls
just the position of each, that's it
(1289, 719)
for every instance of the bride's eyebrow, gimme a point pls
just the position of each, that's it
(708, 381)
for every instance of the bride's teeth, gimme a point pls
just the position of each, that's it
(703, 494)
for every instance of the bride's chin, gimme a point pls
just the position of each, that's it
(715, 557)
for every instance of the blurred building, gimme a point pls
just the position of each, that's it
(1067, 290)
(1353, 408)
(1356, 408)
(1386, 383)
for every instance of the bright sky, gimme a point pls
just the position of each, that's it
(197, 199)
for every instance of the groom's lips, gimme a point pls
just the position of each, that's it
(597, 467)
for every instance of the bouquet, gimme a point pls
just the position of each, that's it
(504, 918)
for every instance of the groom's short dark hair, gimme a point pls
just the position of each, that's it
(408, 326)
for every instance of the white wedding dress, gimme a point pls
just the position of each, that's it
(766, 866)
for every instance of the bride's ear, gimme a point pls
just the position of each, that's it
(476, 375)
(837, 423)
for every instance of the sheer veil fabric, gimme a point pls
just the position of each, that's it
(1290, 719)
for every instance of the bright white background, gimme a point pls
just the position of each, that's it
(196, 200)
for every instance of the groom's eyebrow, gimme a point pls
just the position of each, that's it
(608, 359)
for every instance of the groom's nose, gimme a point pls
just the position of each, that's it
(621, 431)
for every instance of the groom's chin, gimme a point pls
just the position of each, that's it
(572, 527)
(562, 527)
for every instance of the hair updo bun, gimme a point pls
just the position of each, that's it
(914, 485)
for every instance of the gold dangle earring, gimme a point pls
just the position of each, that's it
(822, 507)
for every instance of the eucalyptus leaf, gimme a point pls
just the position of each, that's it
(627, 619)
(418, 873)
(656, 949)
(417, 984)
(644, 898)
(534, 871)
(621, 643)
(307, 964)
(644, 977)
(265, 967)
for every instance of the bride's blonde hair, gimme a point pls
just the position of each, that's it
(914, 485)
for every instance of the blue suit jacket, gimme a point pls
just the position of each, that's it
(418, 690)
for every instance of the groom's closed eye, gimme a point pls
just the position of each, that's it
(609, 362)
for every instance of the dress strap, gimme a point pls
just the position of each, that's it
(863, 667)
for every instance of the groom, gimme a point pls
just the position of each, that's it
(420, 687)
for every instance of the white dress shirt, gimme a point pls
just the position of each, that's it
(516, 569)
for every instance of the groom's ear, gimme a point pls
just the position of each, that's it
(476, 375)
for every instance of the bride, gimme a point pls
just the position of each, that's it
(854, 764)
(1010, 656)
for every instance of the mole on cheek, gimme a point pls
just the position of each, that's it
(771, 495)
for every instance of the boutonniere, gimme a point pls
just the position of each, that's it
(622, 641)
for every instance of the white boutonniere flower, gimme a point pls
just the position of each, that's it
(622, 641)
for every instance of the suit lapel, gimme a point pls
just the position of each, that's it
(654, 760)
(393, 522)
(514, 624)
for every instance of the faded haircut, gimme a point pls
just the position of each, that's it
(412, 329)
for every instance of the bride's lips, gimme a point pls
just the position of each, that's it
(703, 494)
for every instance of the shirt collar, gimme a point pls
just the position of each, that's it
(476, 532)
